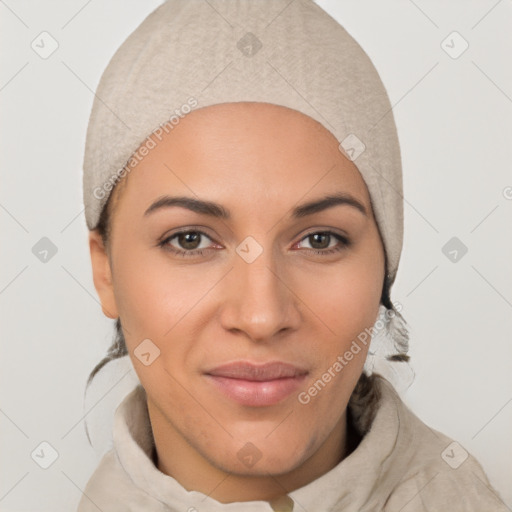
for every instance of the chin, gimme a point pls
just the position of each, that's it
(251, 461)
(263, 468)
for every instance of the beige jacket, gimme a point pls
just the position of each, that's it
(400, 465)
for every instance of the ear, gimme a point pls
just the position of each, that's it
(102, 275)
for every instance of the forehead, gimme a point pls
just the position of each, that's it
(243, 149)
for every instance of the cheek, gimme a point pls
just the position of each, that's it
(151, 294)
(166, 303)
(345, 299)
(156, 301)
(346, 295)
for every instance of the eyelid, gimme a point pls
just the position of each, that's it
(342, 240)
(320, 229)
(187, 229)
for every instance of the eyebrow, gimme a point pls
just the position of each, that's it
(216, 210)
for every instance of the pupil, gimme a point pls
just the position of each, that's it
(189, 240)
(317, 240)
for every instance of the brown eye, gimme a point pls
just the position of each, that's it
(319, 240)
(189, 240)
(324, 242)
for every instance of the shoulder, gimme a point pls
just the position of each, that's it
(110, 488)
(439, 474)
(430, 487)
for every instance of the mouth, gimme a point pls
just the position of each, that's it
(257, 385)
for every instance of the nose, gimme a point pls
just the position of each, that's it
(259, 300)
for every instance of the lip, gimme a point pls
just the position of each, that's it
(257, 385)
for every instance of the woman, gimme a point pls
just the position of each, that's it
(243, 191)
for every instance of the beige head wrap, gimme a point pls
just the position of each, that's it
(194, 53)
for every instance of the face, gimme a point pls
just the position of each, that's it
(249, 284)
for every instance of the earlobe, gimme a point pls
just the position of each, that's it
(102, 275)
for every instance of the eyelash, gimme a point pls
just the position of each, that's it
(164, 244)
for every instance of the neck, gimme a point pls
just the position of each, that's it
(175, 457)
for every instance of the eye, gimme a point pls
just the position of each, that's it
(187, 243)
(325, 242)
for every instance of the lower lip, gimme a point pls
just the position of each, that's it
(256, 393)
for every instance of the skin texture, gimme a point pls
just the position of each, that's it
(259, 161)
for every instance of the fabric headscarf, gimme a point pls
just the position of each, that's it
(190, 54)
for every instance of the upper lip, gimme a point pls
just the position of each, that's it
(257, 372)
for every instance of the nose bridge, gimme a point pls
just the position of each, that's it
(260, 304)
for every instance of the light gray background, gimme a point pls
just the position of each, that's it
(454, 119)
